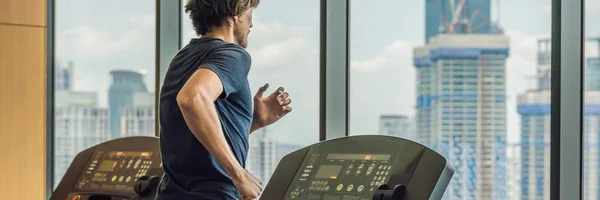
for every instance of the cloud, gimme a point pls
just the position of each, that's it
(275, 43)
(546, 8)
(382, 84)
(96, 40)
(397, 51)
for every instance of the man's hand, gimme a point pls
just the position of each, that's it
(248, 185)
(270, 109)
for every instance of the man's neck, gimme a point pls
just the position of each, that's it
(225, 35)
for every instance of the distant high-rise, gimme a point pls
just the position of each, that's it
(262, 155)
(543, 64)
(79, 124)
(592, 74)
(534, 108)
(461, 109)
(64, 77)
(125, 84)
(457, 16)
(513, 169)
(396, 125)
(138, 119)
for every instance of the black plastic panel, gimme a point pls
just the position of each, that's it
(354, 167)
(110, 170)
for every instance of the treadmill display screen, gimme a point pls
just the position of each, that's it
(107, 166)
(377, 157)
(328, 171)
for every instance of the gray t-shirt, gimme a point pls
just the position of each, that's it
(190, 171)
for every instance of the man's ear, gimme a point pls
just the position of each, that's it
(229, 21)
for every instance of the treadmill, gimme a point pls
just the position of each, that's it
(370, 167)
(121, 169)
(367, 167)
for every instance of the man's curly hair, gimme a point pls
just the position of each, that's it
(208, 13)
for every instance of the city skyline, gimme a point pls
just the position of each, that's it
(285, 41)
(383, 57)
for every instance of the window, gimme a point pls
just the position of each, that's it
(496, 91)
(591, 118)
(284, 45)
(104, 74)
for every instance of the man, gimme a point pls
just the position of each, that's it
(207, 111)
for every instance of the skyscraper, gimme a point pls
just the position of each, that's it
(121, 96)
(592, 74)
(461, 109)
(534, 108)
(79, 124)
(262, 155)
(138, 119)
(396, 125)
(64, 77)
(457, 16)
(513, 170)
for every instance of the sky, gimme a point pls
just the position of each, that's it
(284, 43)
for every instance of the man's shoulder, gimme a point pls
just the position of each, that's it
(231, 49)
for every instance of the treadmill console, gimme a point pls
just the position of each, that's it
(360, 168)
(111, 170)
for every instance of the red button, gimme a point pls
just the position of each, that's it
(77, 197)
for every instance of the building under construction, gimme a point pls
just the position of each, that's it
(461, 95)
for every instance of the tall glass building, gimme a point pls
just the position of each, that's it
(461, 109)
(121, 96)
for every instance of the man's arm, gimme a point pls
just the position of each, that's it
(255, 125)
(196, 101)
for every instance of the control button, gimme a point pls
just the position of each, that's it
(375, 178)
(350, 167)
(371, 190)
(370, 169)
(114, 178)
(350, 187)
(358, 172)
(378, 173)
(386, 173)
(128, 179)
(361, 166)
(360, 188)
(121, 178)
(77, 197)
(389, 167)
(137, 164)
(348, 172)
(383, 179)
(326, 188)
(372, 183)
(380, 166)
(340, 187)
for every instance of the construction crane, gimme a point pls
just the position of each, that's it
(458, 17)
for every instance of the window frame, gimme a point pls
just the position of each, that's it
(334, 74)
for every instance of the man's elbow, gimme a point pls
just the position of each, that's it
(189, 99)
